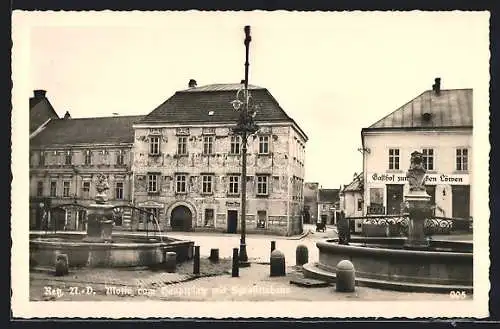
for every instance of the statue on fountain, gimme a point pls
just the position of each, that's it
(100, 214)
(416, 172)
(418, 203)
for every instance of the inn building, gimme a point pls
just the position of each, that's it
(187, 163)
(65, 157)
(437, 123)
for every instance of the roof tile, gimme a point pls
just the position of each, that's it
(193, 106)
(451, 108)
(104, 130)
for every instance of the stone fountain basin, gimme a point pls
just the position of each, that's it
(126, 250)
(385, 263)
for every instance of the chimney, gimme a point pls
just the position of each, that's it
(39, 94)
(192, 83)
(242, 81)
(67, 115)
(437, 86)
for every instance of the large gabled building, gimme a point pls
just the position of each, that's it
(438, 123)
(187, 164)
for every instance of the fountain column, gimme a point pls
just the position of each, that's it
(100, 214)
(418, 202)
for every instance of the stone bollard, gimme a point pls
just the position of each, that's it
(277, 263)
(170, 261)
(62, 265)
(236, 264)
(346, 280)
(273, 245)
(196, 262)
(214, 255)
(301, 255)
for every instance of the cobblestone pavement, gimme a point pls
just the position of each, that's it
(258, 246)
(94, 283)
(253, 284)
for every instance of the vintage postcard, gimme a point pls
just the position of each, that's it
(260, 164)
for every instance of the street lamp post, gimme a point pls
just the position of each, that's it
(245, 127)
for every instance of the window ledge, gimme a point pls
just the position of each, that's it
(207, 193)
(180, 193)
(262, 195)
(461, 172)
(154, 154)
(233, 195)
(181, 155)
(263, 154)
(153, 193)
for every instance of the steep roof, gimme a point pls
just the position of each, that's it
(103, 130)
(212, 104)
(450, 108)
(329, 195)
(356, 184)
(40, 111)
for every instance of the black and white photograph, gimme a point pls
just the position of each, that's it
(252, 162)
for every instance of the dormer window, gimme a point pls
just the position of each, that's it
(426, 117)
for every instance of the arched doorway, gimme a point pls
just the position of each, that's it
(181, 219)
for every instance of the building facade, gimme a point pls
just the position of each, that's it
(437, 123)
(311, 197)
(328, 205)
(351, 201)
(187, 164)
(65, 158)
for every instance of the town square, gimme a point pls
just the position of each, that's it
(245, 162)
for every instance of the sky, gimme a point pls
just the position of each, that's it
(333, 73)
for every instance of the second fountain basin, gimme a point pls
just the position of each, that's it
(385, 263)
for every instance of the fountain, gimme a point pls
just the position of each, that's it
(415, 263)
(98, 247)
(418, 203)
(99, 216)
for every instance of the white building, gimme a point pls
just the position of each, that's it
(351, 201)
(437, 123)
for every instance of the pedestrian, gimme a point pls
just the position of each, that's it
(343, 229)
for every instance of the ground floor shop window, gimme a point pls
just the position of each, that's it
(209, 217)
(394, 199)
(460, 196)
(376, 201)
(261, 219)
(118, 216)
(148, 219)
(82, 220)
